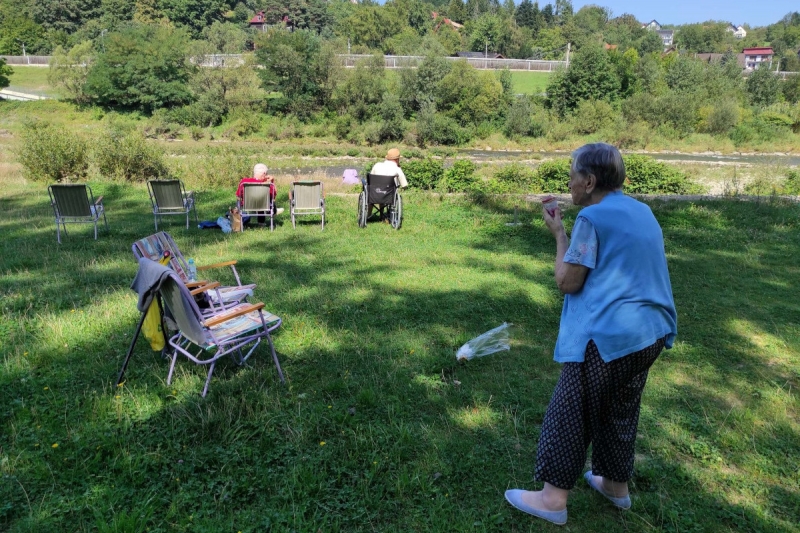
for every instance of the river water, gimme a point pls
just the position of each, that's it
(500, 157)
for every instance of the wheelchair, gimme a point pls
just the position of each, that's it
(383, 192)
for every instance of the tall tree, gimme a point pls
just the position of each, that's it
(525, 15)
(69, 70)
(763, 87)
(590, 76)
(65, 15)
(5, 73)
(144, 67)
(297, 65)
(193, 14)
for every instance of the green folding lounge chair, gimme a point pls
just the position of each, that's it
(169, 197)
(307, 198)
(75, 203)
(257, 202)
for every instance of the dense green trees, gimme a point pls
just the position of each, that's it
(590, 77)
(143, 67)
(299, 66)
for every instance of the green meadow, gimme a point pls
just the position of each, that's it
(32, 80)
(529, 82)
(378, 427)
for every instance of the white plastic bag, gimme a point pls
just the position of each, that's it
(225, 224)
(492, 341)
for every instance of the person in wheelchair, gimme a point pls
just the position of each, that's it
(389, 167)
(381, 192)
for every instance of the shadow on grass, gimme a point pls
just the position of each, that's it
(378, 427)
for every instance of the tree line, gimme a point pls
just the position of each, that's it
(401, 27)
(148, 62)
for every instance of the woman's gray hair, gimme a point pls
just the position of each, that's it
(260, 168)
(603, 161)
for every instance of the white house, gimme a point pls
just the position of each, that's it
(652, 25)
(755, 57)
(738, 31)
(667, 36)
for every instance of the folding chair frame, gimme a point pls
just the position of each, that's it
(177, 201)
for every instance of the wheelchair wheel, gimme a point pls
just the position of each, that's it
(397, 212)
(362, 210)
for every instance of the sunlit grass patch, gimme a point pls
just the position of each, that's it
(378, 427)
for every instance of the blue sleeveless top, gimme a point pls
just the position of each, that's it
(625, 304)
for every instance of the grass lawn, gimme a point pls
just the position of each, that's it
(378, 427)
(31, 80)
(529, 82)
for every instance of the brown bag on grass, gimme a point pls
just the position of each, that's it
(236, 219)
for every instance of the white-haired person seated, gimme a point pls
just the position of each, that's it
(390, 166)
(260, 175)
(618, 315)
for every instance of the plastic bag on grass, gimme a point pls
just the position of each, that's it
(492, 341)
(225, 224)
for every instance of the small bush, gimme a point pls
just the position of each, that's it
(645, 175)
(424, 173)
(559, 131)
(518, 120)
(460, 177)
(436, 129)
(627, 135)
(515, 177)
(205, 112)
(553, 176)
(722, 118)
(592, 116)
(342, 125)
(49, 154)
(161, 125)
(762, 187)
(128, 156)
(244, 121)
(197, 133)
(792, 184)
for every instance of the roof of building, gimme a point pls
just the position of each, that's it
(710, 58)
(758, 51)
(447, 21)
(259, 18)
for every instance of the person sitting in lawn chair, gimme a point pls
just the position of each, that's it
(260, 175)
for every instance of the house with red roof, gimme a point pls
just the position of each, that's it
(756, 57)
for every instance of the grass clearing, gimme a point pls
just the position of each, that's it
(32, 80)
(529, 82)
(372, 431)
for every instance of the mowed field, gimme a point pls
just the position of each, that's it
(529, 82)
(34, 80)
(31, 80)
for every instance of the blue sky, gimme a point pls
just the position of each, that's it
(753, 13)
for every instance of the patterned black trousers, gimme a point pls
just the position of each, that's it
(594, 403)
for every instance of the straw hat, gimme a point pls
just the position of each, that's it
(393, 154)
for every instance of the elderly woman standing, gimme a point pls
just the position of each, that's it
(618, 315)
